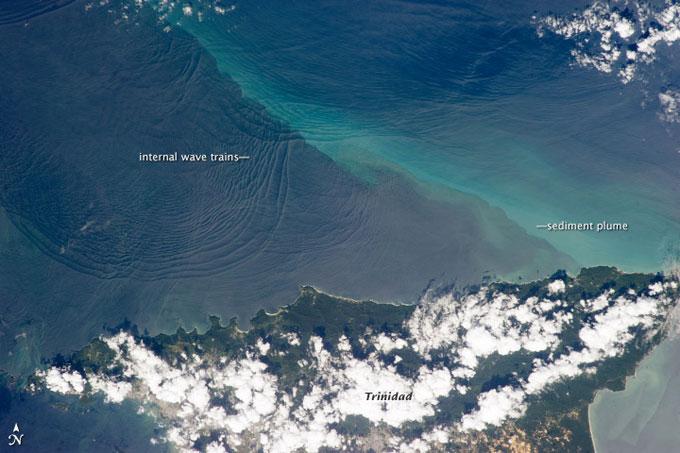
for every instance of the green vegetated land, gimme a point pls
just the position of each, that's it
(556, 419)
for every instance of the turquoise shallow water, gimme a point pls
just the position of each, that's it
(466, 97)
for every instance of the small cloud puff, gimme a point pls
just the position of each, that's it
(556, 287)
(669, 100)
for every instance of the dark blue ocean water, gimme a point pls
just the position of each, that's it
(52, 423)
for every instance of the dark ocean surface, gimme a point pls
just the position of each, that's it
(53, 423)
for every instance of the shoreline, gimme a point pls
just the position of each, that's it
(633, 387)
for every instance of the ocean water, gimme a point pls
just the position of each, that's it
(91, 236)
(644, 416)
(51, 423)
(465, 95)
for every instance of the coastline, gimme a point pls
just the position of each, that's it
(617, 419)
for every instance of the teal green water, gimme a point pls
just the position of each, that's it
(579, 148)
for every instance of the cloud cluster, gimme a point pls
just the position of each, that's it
(670, 106)
(168, 11)
(477, 325)
(63, 381)
(494, 407)
(608, 37)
